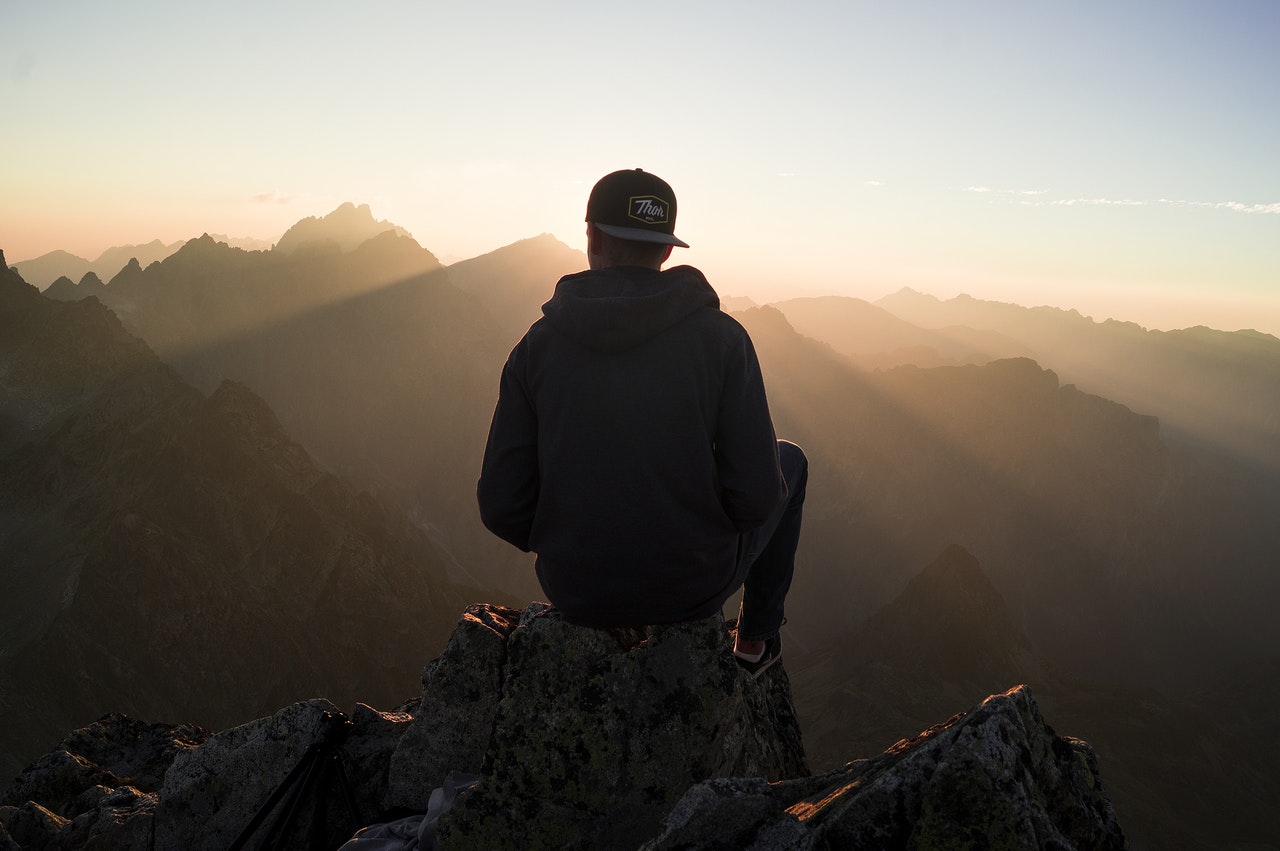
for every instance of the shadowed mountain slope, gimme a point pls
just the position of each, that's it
(1179, 776)
(371, 358)
(170, 555)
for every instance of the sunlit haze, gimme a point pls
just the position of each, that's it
(1120, 159)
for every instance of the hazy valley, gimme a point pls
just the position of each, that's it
(233, 478)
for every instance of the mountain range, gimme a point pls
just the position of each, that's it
(172, 554)
(1133, 560)
(47, 269)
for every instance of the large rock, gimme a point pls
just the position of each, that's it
(594, 734)
(213, 794)
(113, 751)
(455, 718)
(997, 777)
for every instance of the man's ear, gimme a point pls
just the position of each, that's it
(593, 245)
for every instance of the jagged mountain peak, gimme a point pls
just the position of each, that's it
(131, 270)
(348, 227)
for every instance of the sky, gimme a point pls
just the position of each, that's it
(1122, 159)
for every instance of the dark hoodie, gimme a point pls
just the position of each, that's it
(630, 446)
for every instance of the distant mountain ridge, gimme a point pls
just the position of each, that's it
(1095, 531)
(874, 338)
(513, 282)
(1217, 388)
(168, 554)
(44, 270)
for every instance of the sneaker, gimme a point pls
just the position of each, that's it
(771, 655)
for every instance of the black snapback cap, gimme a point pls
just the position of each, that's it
(633, 204)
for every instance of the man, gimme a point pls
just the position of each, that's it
(632, 448)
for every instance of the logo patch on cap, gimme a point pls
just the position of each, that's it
(649, 209)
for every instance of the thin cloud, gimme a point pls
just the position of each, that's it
(1234, 206)
(1273, 209)
(1097, 202)
(987, 189)
(1033, 198)
(272, 197)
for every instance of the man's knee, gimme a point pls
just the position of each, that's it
(795, 466)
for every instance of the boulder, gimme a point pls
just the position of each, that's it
(120, 818)
(595, 734)
(214, 794)
(997, 777)
(111, 752)
(455, 718)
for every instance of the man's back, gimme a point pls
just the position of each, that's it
(631, 445)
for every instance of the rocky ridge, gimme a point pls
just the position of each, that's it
(580, 738)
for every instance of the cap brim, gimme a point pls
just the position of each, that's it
(642, 235)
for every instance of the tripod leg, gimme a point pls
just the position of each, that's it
(274, 798)
(288, 813)
(348, 795)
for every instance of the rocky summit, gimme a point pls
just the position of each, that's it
(572, 738)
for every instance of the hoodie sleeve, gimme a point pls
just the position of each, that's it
(751, 483)
(508, 488)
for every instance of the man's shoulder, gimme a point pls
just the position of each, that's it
(727, 325)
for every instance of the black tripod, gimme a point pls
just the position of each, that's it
(311, 778)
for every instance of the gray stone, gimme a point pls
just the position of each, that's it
(6, 841)
(124, 818)
(454, 721)
(997, 777)
(56, 780)
(33, 826)
(136, 752)
(212, 793)
(599, 732)
(367, 752)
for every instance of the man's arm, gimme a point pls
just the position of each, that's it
(751, 482)
(508, 488)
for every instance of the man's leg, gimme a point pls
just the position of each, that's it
(771, 554)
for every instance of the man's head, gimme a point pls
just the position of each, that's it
(631, 219)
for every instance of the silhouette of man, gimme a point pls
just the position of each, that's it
(631, 447)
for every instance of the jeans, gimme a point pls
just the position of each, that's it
(768, 554)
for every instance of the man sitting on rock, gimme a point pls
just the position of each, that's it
(632, 448)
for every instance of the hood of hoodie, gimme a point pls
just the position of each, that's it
(612, 310)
